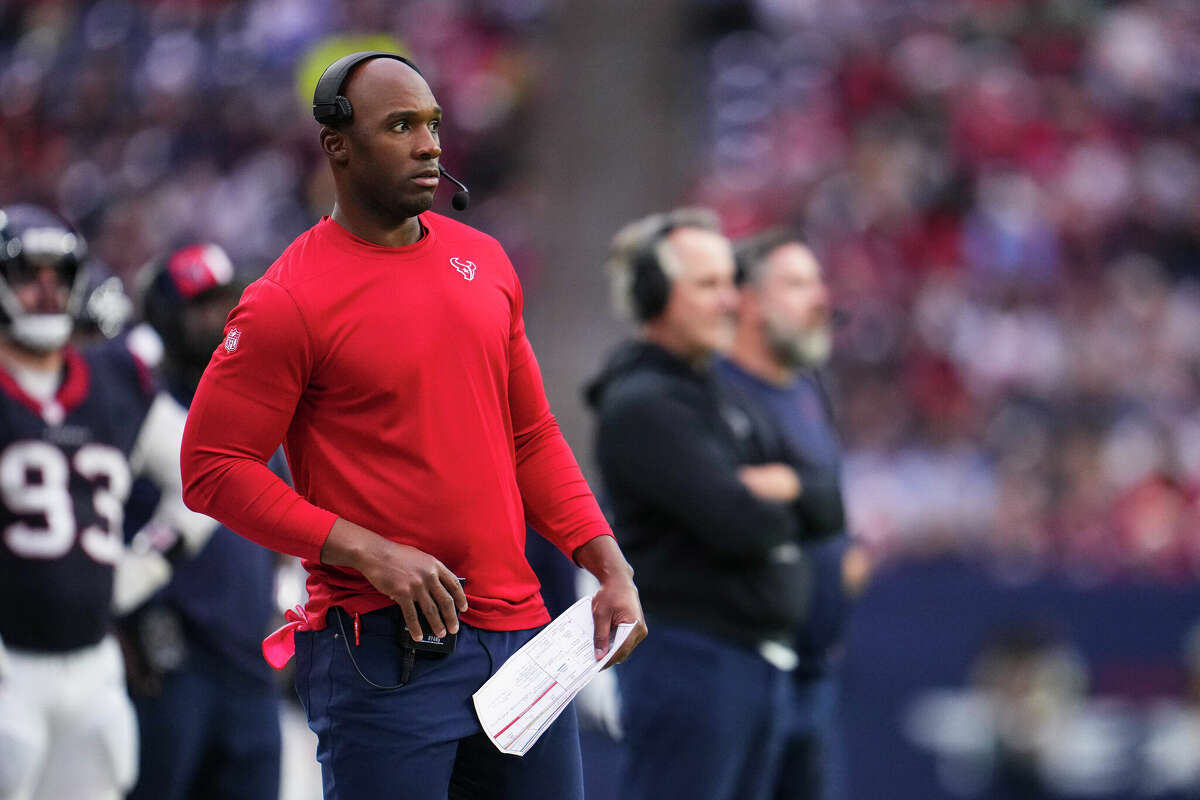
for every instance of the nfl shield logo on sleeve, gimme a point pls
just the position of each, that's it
(231, 340)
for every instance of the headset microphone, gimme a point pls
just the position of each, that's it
(462, 198)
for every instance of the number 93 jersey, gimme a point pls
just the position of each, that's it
(64, 479)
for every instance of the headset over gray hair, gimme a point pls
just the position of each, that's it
(642, 264)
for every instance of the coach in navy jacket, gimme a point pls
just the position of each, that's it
(711, 539)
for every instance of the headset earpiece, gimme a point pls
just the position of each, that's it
(650, 287)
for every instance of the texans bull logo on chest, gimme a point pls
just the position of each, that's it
(464, 267)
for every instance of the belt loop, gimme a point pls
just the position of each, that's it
(357, 629)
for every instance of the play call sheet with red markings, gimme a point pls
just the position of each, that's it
(532, 688)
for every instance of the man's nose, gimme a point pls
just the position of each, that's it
(729, 298)
(48, 287)
(48, 281)
(427, 146)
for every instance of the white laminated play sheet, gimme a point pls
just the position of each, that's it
(529, 691)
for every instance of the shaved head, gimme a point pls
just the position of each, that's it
(375, 83)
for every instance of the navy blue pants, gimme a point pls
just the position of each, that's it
(421, 740)
(814, 767)
(212, 733)
(703, 719)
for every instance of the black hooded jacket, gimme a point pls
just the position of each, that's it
(707, 553)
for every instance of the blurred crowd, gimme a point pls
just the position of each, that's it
(151, 124)
(1006, 195)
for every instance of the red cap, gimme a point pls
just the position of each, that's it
(198, 268)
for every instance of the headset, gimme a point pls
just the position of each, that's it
(650, 287)
(331, 107)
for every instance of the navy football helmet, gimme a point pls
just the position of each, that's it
(32, 240)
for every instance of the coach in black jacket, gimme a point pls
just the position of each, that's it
(712, 540)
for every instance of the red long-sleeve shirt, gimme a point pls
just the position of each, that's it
(408, 400)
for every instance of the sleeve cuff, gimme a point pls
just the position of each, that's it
(314, 524)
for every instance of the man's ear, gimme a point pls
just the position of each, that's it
(335, 145)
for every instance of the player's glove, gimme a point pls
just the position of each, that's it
(140, 571)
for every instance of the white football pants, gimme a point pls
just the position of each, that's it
(67, 726)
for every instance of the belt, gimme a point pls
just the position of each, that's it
(386, 621)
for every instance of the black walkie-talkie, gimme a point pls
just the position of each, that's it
(429, 643)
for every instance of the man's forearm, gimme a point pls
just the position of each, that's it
(617, 600)
(603, 558)
(348, 545)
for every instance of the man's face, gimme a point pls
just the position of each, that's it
(42, 290)
(393, 145)
(700, 308)
(794, 301)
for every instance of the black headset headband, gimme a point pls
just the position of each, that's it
(330, 106)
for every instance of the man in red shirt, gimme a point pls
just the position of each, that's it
(386, 349)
